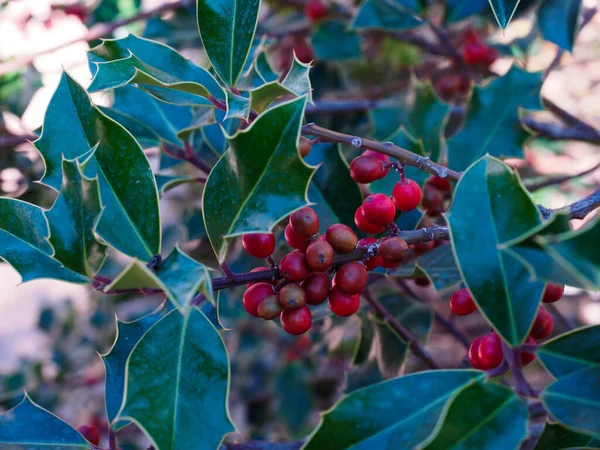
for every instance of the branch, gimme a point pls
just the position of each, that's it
(556, 132)
(560, 179)
(579, 209)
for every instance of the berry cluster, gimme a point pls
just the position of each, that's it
(486, 351)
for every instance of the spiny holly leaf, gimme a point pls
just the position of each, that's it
(264, 69)
(391, 15)
(159, 69)
(115, 360)
(262, 97)
(572, 351)
(473, 417)
(297, 79)
(557, 437)
(398, 413)
(72, 220)
(574, 400)
(177, 383)
(24, 243)
(30, 427)
(130, 219)
(227, 29)
(504, 10)
(179, 276)
(493, 123)
(238, 106)
(558, 21)
(490, 208)
(251, 191)
(460, 9)
(332, 41)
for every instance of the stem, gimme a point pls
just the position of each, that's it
(560, 179)
(228, 273)
(112, 439)
(522, 386)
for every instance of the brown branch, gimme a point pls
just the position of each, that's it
(579, 209)
(556, 132)
(559, 180)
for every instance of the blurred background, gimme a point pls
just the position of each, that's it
(51, 333)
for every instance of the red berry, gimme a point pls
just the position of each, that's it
(474, 353)
(447, 86)
(296, 240)
(366, 169)
(553, 292)
(254, 295)
(342, 238)
(292, 296)
(270, 307)
(443, 184)
(364, 225)
(319, 256)
(490, 351)
(406, 196)
(259, 245)
(259, 269)
(475, 53)
(305, 222)
(90, 433)
(423, 247)
(433, 200)
(296, 321)
(379, 209)
(304, 145)
(315, 10)
(317, 287)
(393, 250)
(351, 278)
(293, 267)
(342, 304)
(527, 357)
(380, 156)
(373, 262)
(387, 264)
(543, 325)
(461, 303)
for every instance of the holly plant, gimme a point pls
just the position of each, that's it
(342, 209)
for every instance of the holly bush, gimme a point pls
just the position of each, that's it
(342, 209)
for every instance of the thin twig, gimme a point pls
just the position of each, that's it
(559, 180)
(580, 209)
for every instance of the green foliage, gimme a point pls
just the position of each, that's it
(558, 21)
(571, 352)
(332, 41)
(557, 437)
(504, 10)
(438, 265)
(392, 15)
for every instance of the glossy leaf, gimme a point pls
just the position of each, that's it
(297, 79)
(24, 234)
(460, 9)
(167, 182)
(481, 416)
(237, 106)
(398, 413)
(130, 220)
(391, 15)
(574, 400)
(30, 427)
(72, 221)
(558, 21)
(332, 41)
(416, 317)
(177, 383)
(570, 352)
(493, 123)
(227, 29)
(262, 97)
(557, 437)
(264, 69)
(504, 10)
(251, 191)
(491, 207)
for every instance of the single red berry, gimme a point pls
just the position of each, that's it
(342, 304)
(259, 245)
(461, 303)
(317, 287)
(305, 222)
(490, 351)
(433, 200)
(270, 307)
(553, 292)
(304, 145)
(90, 433)
(387, 264)
(319, 256)
(303, 51)
(474, 353)
(528, 357)
(423, 247)
(342, 238)
(296, 240)
(315, 10)
(406, 196)
(366, 169)
(364, 225)
(293, 267)
(351, 278)
(422, 281)
(374, 261)
(292, 296)
(475, 53)
(259, 269)
(380, 156)
(296, 321)
(379, 209)
(254, 295)
(471, 35)
(543, 325)
(443, 184)
(393, 250)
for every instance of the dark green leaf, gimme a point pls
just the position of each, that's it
(237, 106)
(72, 220)
(227, 29)
(397, 413)
(264, 69)
(251, 191)
(167, 182)
(558, 21)
(389, 349)
(459, 9)
(262, 97)
(416, 317)
(332, 41)
(557, 437)
(574, 400)
(109, 10)
(493, 123)
(30, 427)
(490, 208)
(24, 234)
(145, 136)
(177, 383)
(297, 79)
(391, 15)
(503, 10)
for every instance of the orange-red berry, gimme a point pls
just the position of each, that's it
(366, 169)
(305, 222)
(351, 278)
(270, 307)
(406, 195)
(317, 287)
(259, 245)
(293, 267)
(393, 249)
(304, 145)
(292, 296)
(254, 295)
(342, 238)
(342, 304)
(296, 321)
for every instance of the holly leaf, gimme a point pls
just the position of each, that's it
(472, 418)
(297, 79)
(110, 10)
(460, 9)
(570, 352)
(558, 21)
(388, 349)
(237, 106)
(252, 191)
(390, 15)
(227, 29)
(493, 123)
(264, 69)
(29, 426)
(332, 41)
(402, 412)
(177, 383)
(504, 10)
(574, 400)
(557, 437)
(130, 220)
(72, 221)
(491, 207)
(167, 182)
(24, 234)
